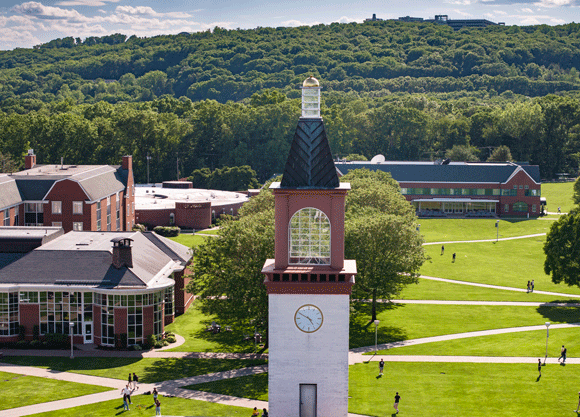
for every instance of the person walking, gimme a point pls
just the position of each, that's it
(454, 256)
(528, 290)
(135, 380)
(578, 408)
(562, 354)
(397, 399)
(126, 397)
(130, 381)
(532, 285)
(559, 210)
(381, 367)
(540, 367)
(442, 249)
(155, 394)
(157, 408)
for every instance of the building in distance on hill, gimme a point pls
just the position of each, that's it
(443, 19)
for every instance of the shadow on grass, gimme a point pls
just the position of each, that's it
(362, 329)
(561, 314)
(176, 368)
(254, 387)
(66, 364)
(228, 341)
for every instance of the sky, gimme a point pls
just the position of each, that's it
(24, 24)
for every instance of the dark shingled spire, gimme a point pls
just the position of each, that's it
(310, 164)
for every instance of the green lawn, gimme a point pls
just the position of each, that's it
(532, 343)
(207, 232)
(21, 390)
(192, 325)
(558, 195)
(446, 230)
(254, 387)
(443, 389)
(458, 390)
(427, 289)
(143, 406)
(190, 241)
(508, 263)
(412, 321)
(149, 370)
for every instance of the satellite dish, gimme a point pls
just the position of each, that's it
(377, 159)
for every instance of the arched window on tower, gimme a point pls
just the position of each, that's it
(309, 236)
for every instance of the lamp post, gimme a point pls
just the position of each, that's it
(497, 230)
(547, 336)
(376, 329)
(71, 325)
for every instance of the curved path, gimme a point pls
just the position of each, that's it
(484, 240)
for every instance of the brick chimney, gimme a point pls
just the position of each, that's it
(30, 159)
(122, 252)
(127, 162)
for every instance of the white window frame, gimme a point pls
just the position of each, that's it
(78, 226)
(56, 207)
(76, 206)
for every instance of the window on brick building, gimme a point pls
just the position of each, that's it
(56, 224)
(78, 226)
(77, 207)
(57, 207)
(98, 215)
(7, 217)
(16, 216)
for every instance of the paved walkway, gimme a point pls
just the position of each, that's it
(484, 240)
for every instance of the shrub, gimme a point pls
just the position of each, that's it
(167, 231)
(21, 332)
(165, 343)
(171, 339)
(35, 332)
(56, 340)
(35, 344)
(158, 345)
(151, 340)
(167, 334)
(21, 344)
(139, 228)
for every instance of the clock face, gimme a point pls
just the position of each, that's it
(308, 318)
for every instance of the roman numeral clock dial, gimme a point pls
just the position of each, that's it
(308, 318)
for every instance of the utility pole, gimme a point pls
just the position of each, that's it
(148, 158)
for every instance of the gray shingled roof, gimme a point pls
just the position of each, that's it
(98, 181)
(85, 258)
(309, 163)
(454, 172)
(9, 193)
(176, 251)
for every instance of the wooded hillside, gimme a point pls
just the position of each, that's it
(406, 90)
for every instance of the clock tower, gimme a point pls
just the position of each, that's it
(309, 282)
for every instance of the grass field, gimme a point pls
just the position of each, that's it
(443, 389)
(143, 407)
(446, 230)
(558, 195)
(412, 321)
(21, 390)
(148, 370)
(523, 344)
(436, 290)
(192, 325)
(190, 241)
(507, 263)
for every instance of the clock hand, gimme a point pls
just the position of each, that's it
(309, 319)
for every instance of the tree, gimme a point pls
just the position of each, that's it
(500, 154)
(563, 251)
(228, 269)
(462, 153)
(381, 234)
(576, 196)
(355, 157)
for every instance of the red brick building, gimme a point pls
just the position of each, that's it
(74, 197)
(111, 286)
(468, 189)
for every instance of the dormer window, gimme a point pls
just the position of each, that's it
(309, 234)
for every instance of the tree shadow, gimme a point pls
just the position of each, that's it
(254, 387)
(239, 339)
(176, 368)
(561, 314)
(65, 364)
(362, 330)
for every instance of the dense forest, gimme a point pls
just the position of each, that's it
(230, 97)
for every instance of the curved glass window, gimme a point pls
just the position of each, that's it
(309, 237)
(520, 206)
